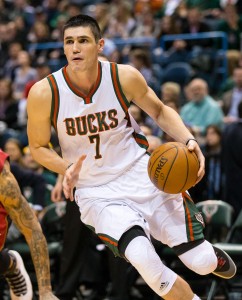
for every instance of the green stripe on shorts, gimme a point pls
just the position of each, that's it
(110, 242)
(194, 220)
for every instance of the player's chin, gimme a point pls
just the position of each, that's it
(76, 65)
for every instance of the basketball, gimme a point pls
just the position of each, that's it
(173, 168)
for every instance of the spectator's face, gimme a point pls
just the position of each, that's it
(13, 150)
(168, 94)
(198, 90)
(23, 58)
(4, 89)
(193, 16)
(212, 137)
(14, 50)
(166, 23)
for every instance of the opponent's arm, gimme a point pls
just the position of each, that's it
(39, 127)
(137, 91)
(24, 218)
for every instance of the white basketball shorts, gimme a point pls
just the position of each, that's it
(131, 199)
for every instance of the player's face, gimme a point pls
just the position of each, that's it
(80, 48)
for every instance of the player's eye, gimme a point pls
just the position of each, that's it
(83, 41)
(69, 42)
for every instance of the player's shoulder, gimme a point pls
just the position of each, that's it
(40, 86)
(128, 73)
(40, 90)
(127, 70)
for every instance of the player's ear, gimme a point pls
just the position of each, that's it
(100, 45)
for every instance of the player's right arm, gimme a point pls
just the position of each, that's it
(39, 127)
(24, 218)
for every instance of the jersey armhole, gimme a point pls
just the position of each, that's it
(55, 102)
(125, 104)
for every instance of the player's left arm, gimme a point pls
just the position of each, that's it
(137, 91)
(24, 218)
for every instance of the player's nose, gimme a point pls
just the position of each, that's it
(76, 47)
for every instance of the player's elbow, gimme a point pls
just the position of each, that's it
(158, 113)
(34, 150)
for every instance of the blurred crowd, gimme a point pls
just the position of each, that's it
(198, 77)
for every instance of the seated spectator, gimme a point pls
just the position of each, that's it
(232, 162)
(121, 22)
(14, 149)
(228, 84)
(231, 24)
(204, 6)
(23, 74)
(147, 25)
(202, 110)
(111, 51)
(22, 8)
(168, 26)
(12, 61)
(50, 178)
(29, 181)
(102, 15)
(140, 59)
(176, 53)
(232, 98)
(8, 104)
(195, 24)
(211, 186)
(171, 92)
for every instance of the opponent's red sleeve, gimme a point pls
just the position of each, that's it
(3, 157)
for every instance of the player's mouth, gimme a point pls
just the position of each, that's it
(77, 59)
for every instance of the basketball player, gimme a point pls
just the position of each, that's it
(104, 158)
(13, 204)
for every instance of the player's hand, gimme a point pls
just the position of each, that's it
(193, 146)
(71, 177)
(47, 296)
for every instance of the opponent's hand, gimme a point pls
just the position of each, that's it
(193, 146)
(71, 177)
(56, 192)
(47, 296)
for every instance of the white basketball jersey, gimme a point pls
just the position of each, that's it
(97, 125)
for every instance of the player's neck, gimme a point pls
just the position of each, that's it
(83, 80)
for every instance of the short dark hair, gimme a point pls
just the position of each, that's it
(84, 21)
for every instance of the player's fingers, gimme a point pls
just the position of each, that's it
(199, 176)
(68, 177)
(66, 188)
(192, 145)
(66, 193)
(201, 170)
